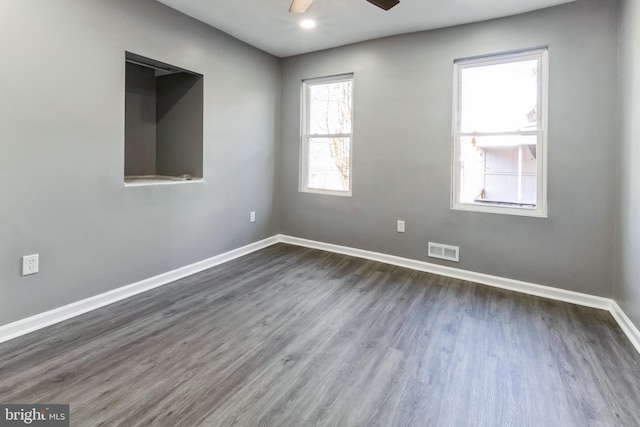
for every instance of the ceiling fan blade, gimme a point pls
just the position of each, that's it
(299, 6)
(384, 4)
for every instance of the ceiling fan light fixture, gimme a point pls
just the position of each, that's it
(299, 6)
(384, 4)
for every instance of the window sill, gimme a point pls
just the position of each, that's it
(325, 192)
(539, 212)
(146, 180)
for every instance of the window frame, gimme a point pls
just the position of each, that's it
(542, 56)
(305, 136)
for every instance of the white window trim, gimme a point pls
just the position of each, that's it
(304, 135)
(541, 172)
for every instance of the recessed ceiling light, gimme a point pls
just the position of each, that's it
(308, 24)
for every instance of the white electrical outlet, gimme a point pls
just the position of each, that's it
(30, 264)
(252, 216)
(400, 226)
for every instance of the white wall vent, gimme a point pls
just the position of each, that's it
(438, 250)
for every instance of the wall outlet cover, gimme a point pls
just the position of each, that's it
(30, 264)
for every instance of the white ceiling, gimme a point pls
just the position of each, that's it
(267, 24)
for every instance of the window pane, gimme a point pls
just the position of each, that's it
(328, 167)
(500, 97)
(498, 170)
(330, 108)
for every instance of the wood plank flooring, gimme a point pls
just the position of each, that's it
(290, 336)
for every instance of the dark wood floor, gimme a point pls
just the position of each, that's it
(289, 336)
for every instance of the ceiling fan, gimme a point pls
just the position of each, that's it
(299, 6)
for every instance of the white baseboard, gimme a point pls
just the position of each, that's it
(499, 282)
(39, 321)
(626, 325)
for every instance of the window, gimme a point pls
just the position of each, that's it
(327, 123)
(163, 123)
(499, 134)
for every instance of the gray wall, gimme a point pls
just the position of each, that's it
(402, 149)
(179, 114)
(627, 284)
(62, 139)
(140, 121)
